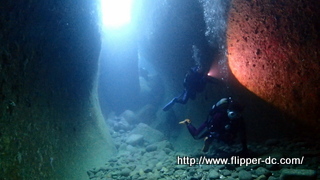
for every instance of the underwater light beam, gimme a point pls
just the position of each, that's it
(116, 13)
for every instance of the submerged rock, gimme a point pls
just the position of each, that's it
(129, 116)
(245, 175)
(149, 134)
(156, 158)
(262, 171)
(125, 172)
(262, 177)
(226, 172)
(151, 148)
(213, 174)
(298, 174)
(135, 139)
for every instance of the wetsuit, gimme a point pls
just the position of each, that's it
(219, 126)
(194, 82)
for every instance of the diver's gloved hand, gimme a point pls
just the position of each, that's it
(186, 121)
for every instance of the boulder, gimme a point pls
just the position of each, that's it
(213, 174)
(298, 174)
(151, 148)
(245, 175)
(122, 124)
(262, 171)
(125, 172)
(135, 139)
(165, 144)
(149, 134)
(129, 116)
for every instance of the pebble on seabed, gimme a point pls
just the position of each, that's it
(156, 159)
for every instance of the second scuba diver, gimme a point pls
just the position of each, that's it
(224, 123)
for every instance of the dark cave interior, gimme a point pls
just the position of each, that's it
(52, 123)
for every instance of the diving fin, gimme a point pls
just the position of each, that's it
(169, 105)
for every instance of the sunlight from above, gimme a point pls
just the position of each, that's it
(116, 13)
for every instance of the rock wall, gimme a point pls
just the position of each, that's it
(270, 66)
(273, 50)
(50, 121)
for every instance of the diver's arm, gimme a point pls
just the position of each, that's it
(197, 133)
(192, 130)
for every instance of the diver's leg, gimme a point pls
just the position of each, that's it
(207, 142)
(183, 98)
(170, 104)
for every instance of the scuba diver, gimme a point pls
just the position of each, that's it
(224, 123)
(194, 82)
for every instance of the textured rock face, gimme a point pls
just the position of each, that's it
(274, 51)
(51, 126)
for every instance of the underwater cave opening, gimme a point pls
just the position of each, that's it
(116, 14)
(118, 83)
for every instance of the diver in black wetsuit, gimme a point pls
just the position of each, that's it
(223, 123)
(194, 82)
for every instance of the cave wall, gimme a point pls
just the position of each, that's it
(51, 126)
(273, 50)
(248, 73)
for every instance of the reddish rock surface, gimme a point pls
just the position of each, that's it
(273, 50)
